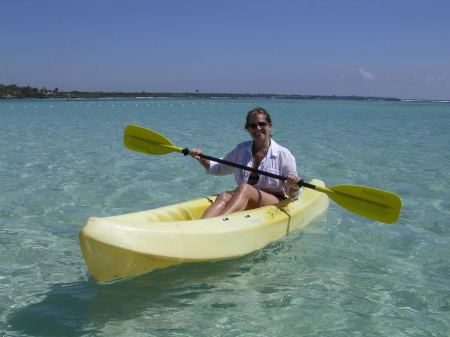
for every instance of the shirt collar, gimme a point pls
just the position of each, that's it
(273, 152)
(274, 149)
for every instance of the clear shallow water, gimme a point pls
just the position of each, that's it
(344, 275)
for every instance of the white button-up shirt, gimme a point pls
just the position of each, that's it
(278, 160)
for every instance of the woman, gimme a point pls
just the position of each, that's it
(262, 153)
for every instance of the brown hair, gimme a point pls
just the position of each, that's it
(257, 111)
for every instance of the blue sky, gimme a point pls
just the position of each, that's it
(394, 48)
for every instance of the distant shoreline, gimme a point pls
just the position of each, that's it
(211, 96)
(148, 95)
(15, 92)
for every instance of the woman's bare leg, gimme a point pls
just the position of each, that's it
(218, 205)
(247, 197)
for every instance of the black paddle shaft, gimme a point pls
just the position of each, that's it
(301, 183)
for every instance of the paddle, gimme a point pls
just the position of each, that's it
(368, 202)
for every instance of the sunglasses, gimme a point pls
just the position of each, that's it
(260, 124)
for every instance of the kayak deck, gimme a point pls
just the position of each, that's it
(137, 243)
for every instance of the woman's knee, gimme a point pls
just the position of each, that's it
(244, 188)
(223, 197)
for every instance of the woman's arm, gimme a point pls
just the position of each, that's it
(196, 152)
(292, 182)
(289, 169)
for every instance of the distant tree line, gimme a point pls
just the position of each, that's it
(13, 91)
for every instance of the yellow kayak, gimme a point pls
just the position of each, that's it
(137, 243)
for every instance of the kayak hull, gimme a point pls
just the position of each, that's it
(137, 243)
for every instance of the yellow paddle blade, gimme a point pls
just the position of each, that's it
(366, 201)
(144, 140)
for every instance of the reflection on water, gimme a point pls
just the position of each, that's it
(73, 309)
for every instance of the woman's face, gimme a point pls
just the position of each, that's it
(258, 128)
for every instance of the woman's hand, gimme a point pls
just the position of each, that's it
(196, 152)
(292, 182)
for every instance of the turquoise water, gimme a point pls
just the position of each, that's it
(62, 162)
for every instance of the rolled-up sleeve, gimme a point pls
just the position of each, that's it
(289, 167)
(288, 164)
(219, 169)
